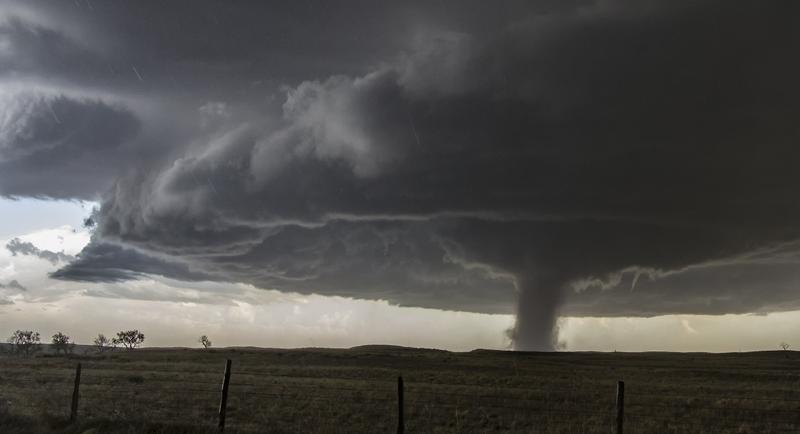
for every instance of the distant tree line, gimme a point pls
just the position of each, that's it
(27, 342)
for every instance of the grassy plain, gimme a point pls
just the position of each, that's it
(354, 390)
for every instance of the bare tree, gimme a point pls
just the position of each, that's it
(62, 343)
(25, 342)
(129, 339)
(102, 343)
(205, 341)
(784, 346)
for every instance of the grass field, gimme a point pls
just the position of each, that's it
(355, 390)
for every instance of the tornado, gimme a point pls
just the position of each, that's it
(538, 301)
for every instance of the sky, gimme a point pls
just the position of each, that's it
(584, 175)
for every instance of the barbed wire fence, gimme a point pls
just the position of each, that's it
(260, 400)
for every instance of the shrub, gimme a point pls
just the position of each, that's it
(25, 342)
(62, 343)
(136, 379)
(205, 341)
(129, 339)
(102, 343)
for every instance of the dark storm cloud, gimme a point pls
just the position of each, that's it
(19, 247)
(61, 147)
(447, 155)
(31, 49)
(760, 281)
(16, 285)
(13, 285)
(112, 263)
(187, 43)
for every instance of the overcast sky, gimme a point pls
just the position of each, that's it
(510, 173)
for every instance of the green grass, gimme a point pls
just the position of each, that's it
(324, 390)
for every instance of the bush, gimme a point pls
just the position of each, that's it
(25, 342)
(62, 343)
(205, 341)
(136, 379)
(129, 339)
(102, 343)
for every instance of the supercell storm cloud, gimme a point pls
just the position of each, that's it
(545, 158)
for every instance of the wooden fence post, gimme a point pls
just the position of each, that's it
(73, 414)
(401, 424)
(223, 403)
(620, 406)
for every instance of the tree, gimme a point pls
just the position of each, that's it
(25, 342)
(129, 339)
(205, 341)
(784, 346)
(62, 342)
(102, 343)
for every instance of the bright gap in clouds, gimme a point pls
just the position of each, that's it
(26, 215)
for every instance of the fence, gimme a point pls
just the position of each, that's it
(261, 400)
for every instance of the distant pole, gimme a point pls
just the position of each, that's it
(401, 424)
(73, 414)
(223, 403)
(620, 405)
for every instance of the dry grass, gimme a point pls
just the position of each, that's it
(320, 390)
